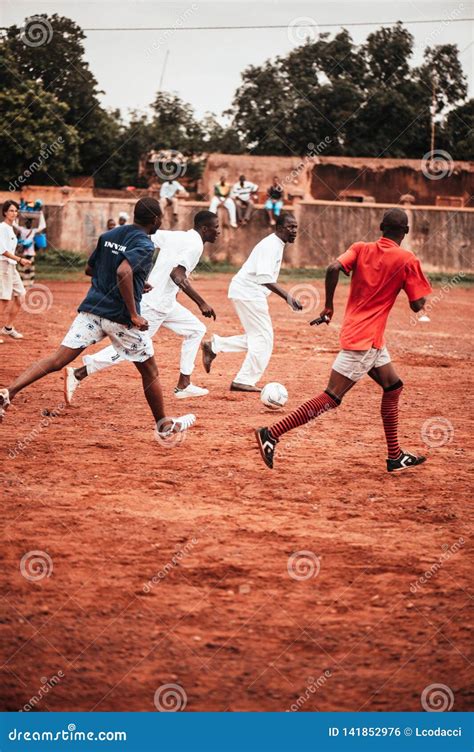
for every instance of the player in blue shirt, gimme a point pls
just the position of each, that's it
(119, 267)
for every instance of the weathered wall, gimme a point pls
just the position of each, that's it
(388, 182)
(441, 237)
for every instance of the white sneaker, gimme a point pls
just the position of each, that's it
(4, 402)
(11, 333)
(178, 425)
(190, 391)
(70, 384)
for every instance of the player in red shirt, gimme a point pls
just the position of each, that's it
(379, 271)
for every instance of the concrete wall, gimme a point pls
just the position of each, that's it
(441, 237)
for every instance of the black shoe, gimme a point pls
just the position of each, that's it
(236, 387)
(267, 445)
(404, 461)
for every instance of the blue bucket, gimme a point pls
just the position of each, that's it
(41, 241)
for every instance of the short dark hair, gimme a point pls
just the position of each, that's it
(394, 219)
(6, 205)
(146, 210)
(204, 217)
(284, 217)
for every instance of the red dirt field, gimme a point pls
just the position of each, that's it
(224, 618)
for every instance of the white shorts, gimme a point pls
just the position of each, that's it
(87, 329)
(354, 364)
(10, 282)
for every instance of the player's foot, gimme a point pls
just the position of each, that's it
(404, 461)
(236, 387)
(4, 402)
(70, 384)
(267, 445)
(168, 426)
(208, 355)
(10, 331)
(190, 391)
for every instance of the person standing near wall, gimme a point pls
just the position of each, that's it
(12, 289)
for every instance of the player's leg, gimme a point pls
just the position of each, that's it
(185, 324)
(387, 377)
(105, 358)
(85, 330)
(15, 294)
(330, 399)
(218, 344)
(255, 318)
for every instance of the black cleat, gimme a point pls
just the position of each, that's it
(267, 445)
(404, 461)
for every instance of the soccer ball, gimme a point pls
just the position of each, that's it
(274, 395)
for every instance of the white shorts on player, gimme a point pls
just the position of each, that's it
(179, 320)
(129, 343)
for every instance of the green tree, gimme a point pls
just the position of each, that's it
(36, 143)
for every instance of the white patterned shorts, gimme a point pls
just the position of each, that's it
(130, 342)
(354, 364)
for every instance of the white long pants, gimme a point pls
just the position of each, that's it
(257, 340)
(229, 204)
(179, 320)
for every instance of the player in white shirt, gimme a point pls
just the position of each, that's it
(12, 289)
(249, 290)
(179, 255)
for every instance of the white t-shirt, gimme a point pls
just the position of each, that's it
(177, 248)
(8, 242)
(168, 190)
(244, 191)
(262, 267)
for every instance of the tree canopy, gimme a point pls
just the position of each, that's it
(364, 100)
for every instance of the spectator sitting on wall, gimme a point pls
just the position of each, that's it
(123, 218)
(169, 195)
(243, 192)
(221, 197)
(274, 202)
(111, 224)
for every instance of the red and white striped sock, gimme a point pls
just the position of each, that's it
(389, 412)
(306, 412)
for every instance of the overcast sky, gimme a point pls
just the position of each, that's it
(204, 67)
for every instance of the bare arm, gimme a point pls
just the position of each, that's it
(282, 293)
(178, 275)
(14, 257)
(417, 305)
(125, 286)
(332, 278)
